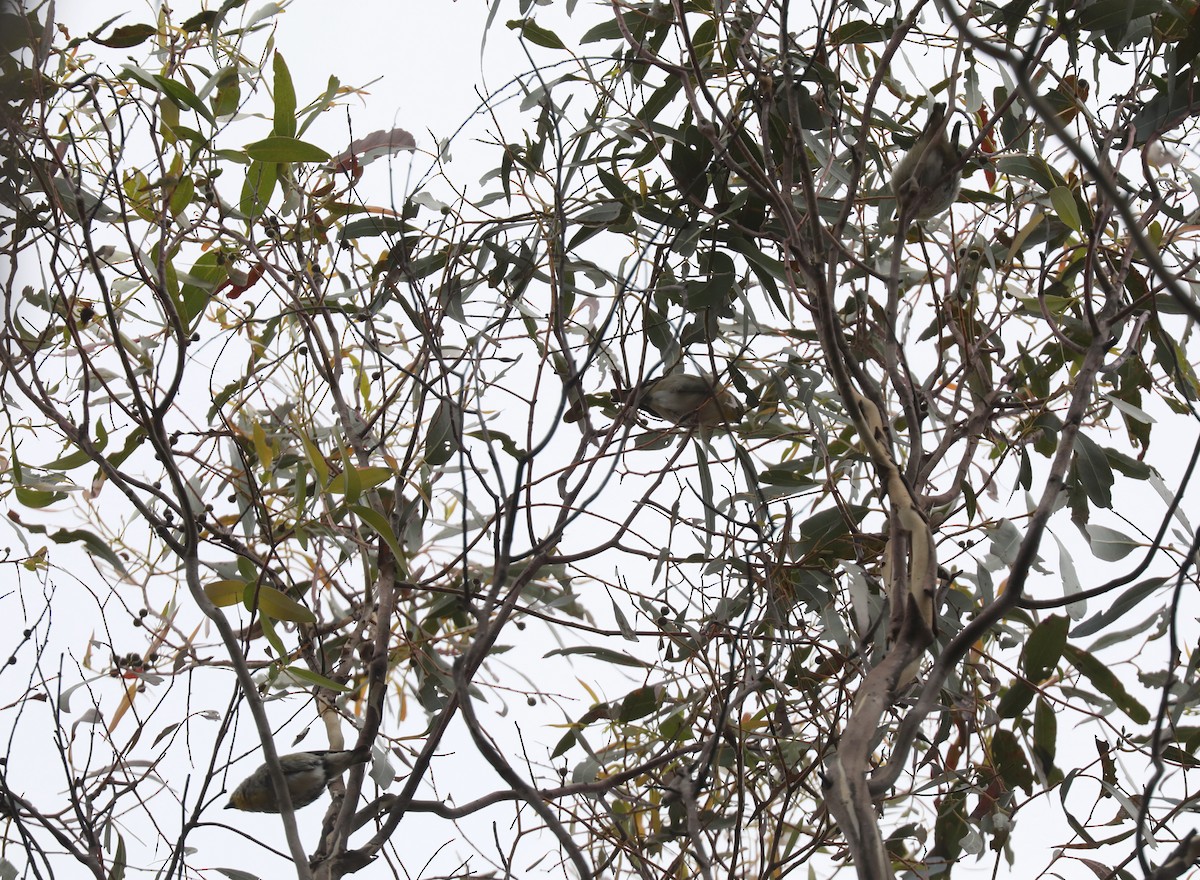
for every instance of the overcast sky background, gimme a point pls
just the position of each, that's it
(427, 75)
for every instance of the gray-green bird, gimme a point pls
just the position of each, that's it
(926, 181)
(307, 774)
(692, 401)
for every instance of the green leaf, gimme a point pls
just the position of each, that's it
(277, 605)
(78, 458)
(170, 275)
(127, 36)
(285, 103)
(1126, 601)
(1094, 471)
(608, 30)
(238, 874)
(316, 459)
(372, 226)
(222, 397)
(135, 439)
(492, 436)
(951, 825)
(199, 21)
(261, 178)
(181, 195)
(565, 744)
(445, 428)
(606, 655)
(81, 205)
(824, 528)
(268, 628)
(279, 148)
(1106, 14)
(184, 98)
(1031, 168)
(536, 34)
(117, 872)
(382, 528)
(640, 703)
(349, 483)
(1044, 647)
(209, 271)
(1015, 699)
(312, 678)
(37, 498)
(323, 103)
(1063, 201)
(1045, 736)
(356, 480)
(228, 91)
(1103, 679)
(858, 32)
(707, 294)
(1109, 544)
(93, 543)
(1010, 762)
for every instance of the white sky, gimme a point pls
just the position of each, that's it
(429, 57)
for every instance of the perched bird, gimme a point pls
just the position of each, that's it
(692, 401)
(925, 182)
(307, 774)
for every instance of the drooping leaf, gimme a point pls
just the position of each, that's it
(1010, 762)
(1015, 699)
(93, 543)
(1094, 471)
(445, 428)
(1130, 598)
(1044, 647)
(951, 825)
(206, 275)
(1103, 679)
(383, 528)
(261, 178)
(1045, 736)
(183, 97)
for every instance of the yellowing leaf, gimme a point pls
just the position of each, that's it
(223, 593)
(315, 459)
(262, 448)
(279, 606)
(124, 705)
(1063, 201)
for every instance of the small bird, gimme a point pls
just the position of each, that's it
(691, 401)
(307, 774)
(925, 182)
